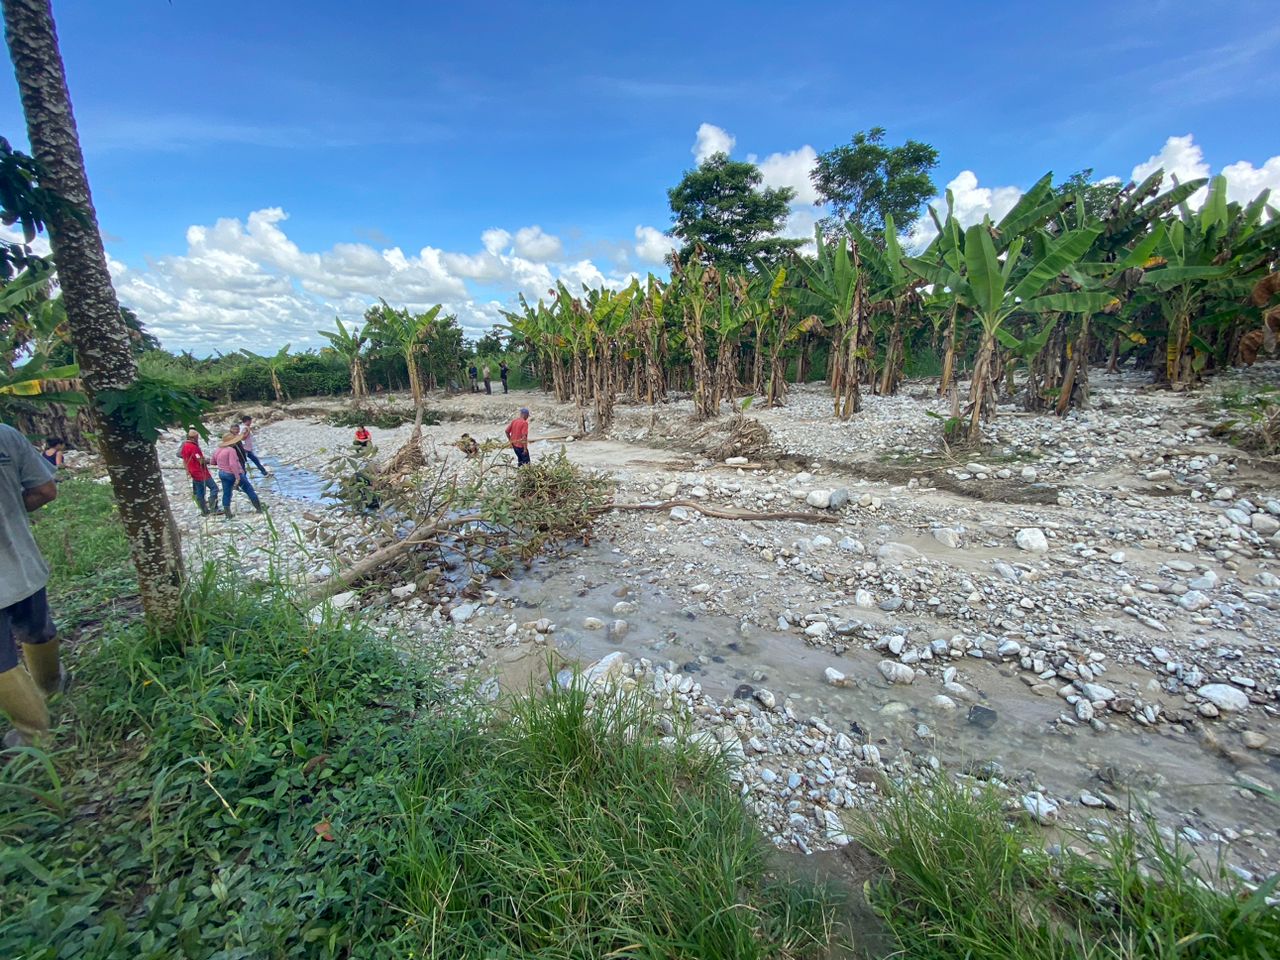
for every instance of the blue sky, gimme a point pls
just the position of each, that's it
(259, 167)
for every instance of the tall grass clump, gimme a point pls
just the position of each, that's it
(962, 882)
(568, 833)
(85, 547)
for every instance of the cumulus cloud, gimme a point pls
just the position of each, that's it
(1180, 157)
(495, 240)
(1183, 158)
(245, 283)
(652, 245)
(792, 170)
(972, 203)
(532, 243)
(1245, 181)
(711, 139)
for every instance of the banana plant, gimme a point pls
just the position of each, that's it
(994, 286)
(834, 291)
(349, 344)
(893, 292)
(408, 333)
(274, 365)
(1202, 255)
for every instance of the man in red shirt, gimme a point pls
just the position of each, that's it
(518, 434)
(198, 470)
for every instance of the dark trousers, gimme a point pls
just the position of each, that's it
(522, 455)
(488, 387)
(198, 488)
(27, 621)
(254, 457)
(504, 383)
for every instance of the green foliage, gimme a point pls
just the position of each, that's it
(150, 405)
(379, 416)
(720, 208)
(961, 883)
(80, 537)
(25, 202)
(865, 182)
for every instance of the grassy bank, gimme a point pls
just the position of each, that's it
(258, 784)
(961, 882)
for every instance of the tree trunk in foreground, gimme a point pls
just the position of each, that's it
(98, 333)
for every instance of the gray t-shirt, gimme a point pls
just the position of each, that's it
(22, 569)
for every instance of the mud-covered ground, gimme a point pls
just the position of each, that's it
(1087, 610)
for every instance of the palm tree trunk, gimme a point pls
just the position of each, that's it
(98, 333)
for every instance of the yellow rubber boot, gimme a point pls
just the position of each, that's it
(22, 700)
(43, 665)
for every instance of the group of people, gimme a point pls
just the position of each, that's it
(231, 458)
(487, 373)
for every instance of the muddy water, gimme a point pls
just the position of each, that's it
(1164, 768)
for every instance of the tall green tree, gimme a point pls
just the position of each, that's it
(722, 216)
(865, 181)
(101, 339)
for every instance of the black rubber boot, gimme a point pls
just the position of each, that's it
(226, 513)
(257, 505)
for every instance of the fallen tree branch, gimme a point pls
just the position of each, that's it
(722, 513)
(362, 568)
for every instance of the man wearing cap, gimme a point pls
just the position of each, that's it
(518, 433)
(26, 485)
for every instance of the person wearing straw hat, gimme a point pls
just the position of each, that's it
(232, 474)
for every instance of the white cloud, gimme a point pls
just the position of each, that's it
(532, 243)
(495, 240)
(972, 203)
(247, 284)
(1245, 181)
(711, 139)
(1180, 157)
(1183, 158)
(652, 245)
(792, 170)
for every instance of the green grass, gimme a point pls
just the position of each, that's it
(379, 417)
(258, 784)
(90, 574)
(960, 882)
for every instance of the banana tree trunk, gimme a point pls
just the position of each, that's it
(949, 355)
(99, 335)
(982, 396)
(1078, 364)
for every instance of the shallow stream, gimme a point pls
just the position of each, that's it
(1165, 768)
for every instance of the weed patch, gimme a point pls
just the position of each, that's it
(960, 882)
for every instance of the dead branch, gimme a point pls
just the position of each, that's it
(362, 568)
